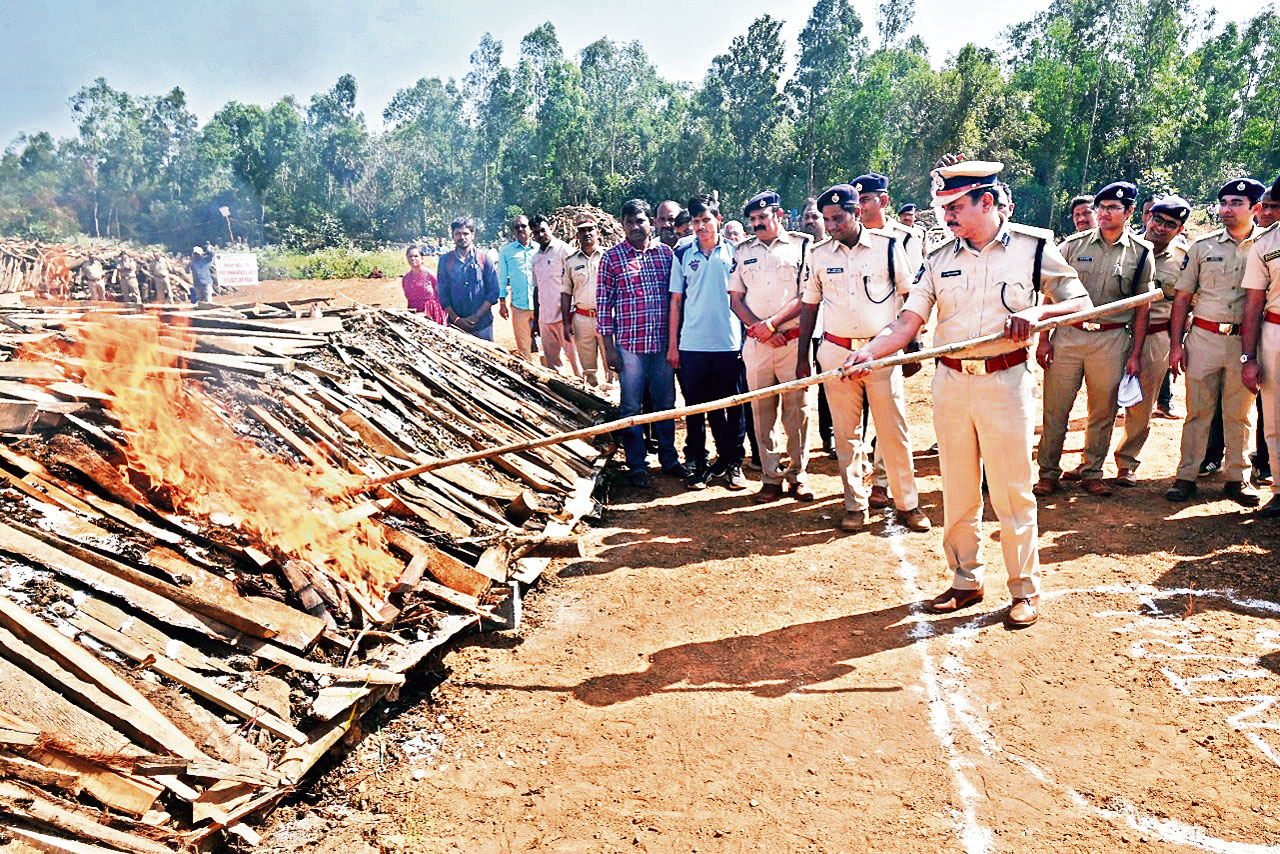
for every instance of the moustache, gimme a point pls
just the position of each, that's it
(951, 224)
(757, 228)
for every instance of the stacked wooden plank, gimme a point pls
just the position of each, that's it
(166, 675)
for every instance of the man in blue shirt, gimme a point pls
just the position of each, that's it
(705, 344)
(467, 283)
(201, 275)
(515, 284)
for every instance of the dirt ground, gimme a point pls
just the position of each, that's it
(718, 676)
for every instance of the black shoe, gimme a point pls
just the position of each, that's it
(735, 479)
(1240, 494)
(1208, 469)
(678, 470)
(1261, 475)
(1270, 510)
(1181, 490)
(698, 479)
(640, 479)
(829, 446)
(931, 451)
(717, 469)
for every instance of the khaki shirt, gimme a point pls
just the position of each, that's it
(852, 283)
(160, 268)
(1262, 267)
(1107, 271)
(1212, 271)
(769, 274)
(579, 280)
(912, 240)
(548, 276)
(92, 271)
(975, 290)
(1168, 268)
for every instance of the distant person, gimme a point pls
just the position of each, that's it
(1083, 216)
(127, 278)
(421, 289)
(664, 221)
(161, 283)
(684, 225)
(907, 215)
(468, 283)
(201, 275)
(734, 232)
(811, 222)
(515, 284)
(578, 300)
(548, 279)
(91, 275)
(1269, 209)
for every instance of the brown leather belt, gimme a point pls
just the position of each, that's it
(1272, 317)
(839, 341)
(1089, 326)
(1157, 328)
(1219, 328)
(986, 366)
(585, 312)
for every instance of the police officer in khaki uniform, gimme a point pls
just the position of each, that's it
(1212, 274)
(1260, 340)
(984, 405)
(873, 194)
(1112, 263)
(1164, 223)
(859, 277)
(578, 300)
(91, 274)
(764, 292)
(127, 278)
(161, 288)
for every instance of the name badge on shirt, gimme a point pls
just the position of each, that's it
(1085, 258)
(1215, 258)
(750, 261)
(1271, 256)
(580, 267)
(951, 273)
(835, 269)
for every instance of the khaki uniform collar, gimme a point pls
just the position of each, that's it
(1226, 235)
(1003, 236)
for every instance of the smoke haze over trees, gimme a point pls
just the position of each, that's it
(1083, 93)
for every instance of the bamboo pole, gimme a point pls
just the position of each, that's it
(746, 397)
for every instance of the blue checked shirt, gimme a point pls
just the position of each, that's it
(631, 296)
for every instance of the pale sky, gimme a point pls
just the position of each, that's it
(257, 52)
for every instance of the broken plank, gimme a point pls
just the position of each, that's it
(40, 372)
(290, 438)
(114, 789)
(36, 806)
(333, 700)
(189, 679)
(21, 768)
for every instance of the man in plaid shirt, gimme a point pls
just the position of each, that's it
(631, 317)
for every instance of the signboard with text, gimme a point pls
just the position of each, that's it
(236, 269)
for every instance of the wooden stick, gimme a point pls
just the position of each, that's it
(746, 397)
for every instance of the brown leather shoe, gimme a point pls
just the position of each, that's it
(1096, 486)
(1073, 475)
(1126, 478)
(768, 493)
(1241, 494)
(954, 599)
(801, 492)
(1023, 612)
(1045, 486)
(854, 520)
(1181, 490)
(879, 498)
(915, 520)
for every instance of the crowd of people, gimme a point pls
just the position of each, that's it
(687, 298)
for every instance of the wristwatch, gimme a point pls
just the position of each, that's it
(1245, 359)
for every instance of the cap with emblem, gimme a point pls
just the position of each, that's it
(843, 195)
(1171, 205)
(907, 208)
(872, 182)
(1247, 187)
(762, 201)
(951, 182)
(1117, 191)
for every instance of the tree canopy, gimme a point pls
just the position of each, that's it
(1082, 93)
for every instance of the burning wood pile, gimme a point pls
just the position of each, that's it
(200, 595)
(53, 270)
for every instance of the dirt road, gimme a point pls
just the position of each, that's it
(723, 677)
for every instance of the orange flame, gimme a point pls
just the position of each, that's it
(180, 439)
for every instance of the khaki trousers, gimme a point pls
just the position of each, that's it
(768, 366)
(1269, 360)
(888, 412)
(1137, 419)
(590, 349)
(1213, 373)
(161, 290)
(987, 421)
(522, 327)
(1097, 359)
(554, 344)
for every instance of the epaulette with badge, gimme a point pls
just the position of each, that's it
(1031, 231)
(1181, 242)
(1213, 235)
(945, 244)
(1079, 235)
(801, 235)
